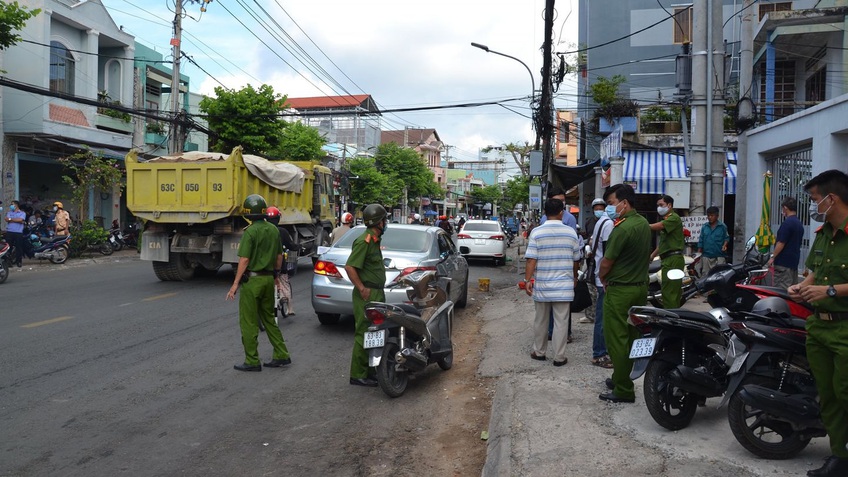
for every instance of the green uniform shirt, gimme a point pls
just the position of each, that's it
(261, 244)
(671, 235)
(629, 245)
(367, 259)
(828, 260)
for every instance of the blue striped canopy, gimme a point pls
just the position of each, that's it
(650, 169)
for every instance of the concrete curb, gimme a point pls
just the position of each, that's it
(499, 448)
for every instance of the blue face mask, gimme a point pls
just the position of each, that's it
(12, 207)
(599, 214)
(612, 211)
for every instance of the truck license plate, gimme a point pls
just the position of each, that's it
(374, 339)
(642, 348)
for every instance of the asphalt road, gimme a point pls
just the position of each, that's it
(108, 371)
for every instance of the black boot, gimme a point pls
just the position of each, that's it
(833, 467)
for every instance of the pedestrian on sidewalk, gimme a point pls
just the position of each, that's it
(597, 213)
(260, 260)
(15, 220)
(713, 242)
(366, 271)
(787, 251)
(670, 250)
(624, 274)
(602, 231)
(569, 220)
(549, 274)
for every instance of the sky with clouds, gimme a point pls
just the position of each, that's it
(404, 54)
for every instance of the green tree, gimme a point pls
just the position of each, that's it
(604, 91)
(491, 194)
(368, 185)
(13, 17)
(406, 167)
(516, 191)
(300, 142)
(248, 117)
(88, 171)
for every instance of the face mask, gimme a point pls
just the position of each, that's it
(55, 209)
(12, 207)
(612, 211)
(662, 211)
(814, 211)
(599, 214)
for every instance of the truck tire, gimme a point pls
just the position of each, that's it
(176, 269)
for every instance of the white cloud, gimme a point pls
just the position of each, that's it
(402, 53)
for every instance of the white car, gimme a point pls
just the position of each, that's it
(483, 239)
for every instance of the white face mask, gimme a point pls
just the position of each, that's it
(814, 210)
(662, 211)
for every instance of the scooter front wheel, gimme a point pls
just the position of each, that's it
(4, 271)
(106, 248)
(392, 381)
(670, 406)
(59, 256)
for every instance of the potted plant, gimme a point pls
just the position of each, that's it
(613, 110)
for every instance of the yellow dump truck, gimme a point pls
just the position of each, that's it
(191, 204)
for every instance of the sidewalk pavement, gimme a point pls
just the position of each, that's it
(88, 258)
(548, 420)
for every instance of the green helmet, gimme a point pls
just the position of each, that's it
(254, 205)
(373, 215)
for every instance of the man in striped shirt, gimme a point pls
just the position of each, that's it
(552, 257)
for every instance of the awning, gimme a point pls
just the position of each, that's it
(570, 176)
(730, 174)
(648, 170)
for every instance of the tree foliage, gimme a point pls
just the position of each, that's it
(247, 117)
(491, 194)
(516, 191)
(13, 17)
(382, 178)
(89, 171)
(300, 142)
(604, 91)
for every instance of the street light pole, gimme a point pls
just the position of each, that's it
(532, 79)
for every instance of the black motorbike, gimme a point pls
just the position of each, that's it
(682, 354)
(404, 339)
(772, 400)
(5, 261)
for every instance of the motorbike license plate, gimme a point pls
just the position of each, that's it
(737, 363)
(112, 239)
(374, 339)
(642, 348)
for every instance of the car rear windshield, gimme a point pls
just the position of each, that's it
(482, 227)
(402, 240)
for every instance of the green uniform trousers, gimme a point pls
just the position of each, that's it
(359, 356)
(619, 335)
(827, 353)
(256, 298)
(672, 290)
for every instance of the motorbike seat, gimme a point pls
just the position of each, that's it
(654, 266)
(52, 239)
(410, 309)
(704, 318)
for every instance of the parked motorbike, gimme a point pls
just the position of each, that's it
(5, 261)
(689, 280)
(772, 400)
(54, 249)
(404, 339)
(682, 354)
(116, 237)
(510, 237)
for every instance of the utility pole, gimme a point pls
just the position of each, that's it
(176, 143)
(707, 167)
(746, 67)
(546, 101)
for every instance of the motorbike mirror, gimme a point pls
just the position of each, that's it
(676, 274)
(751, 243)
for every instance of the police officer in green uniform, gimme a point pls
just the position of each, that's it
(624, 274)
(365, 269)
(670, 250)
(826, 288)
(260, 260)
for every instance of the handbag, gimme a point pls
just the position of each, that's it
(582, 298)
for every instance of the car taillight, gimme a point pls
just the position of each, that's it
(496, 237)
(326, 268)
(375, 316)
(408, 270)
(463, 236)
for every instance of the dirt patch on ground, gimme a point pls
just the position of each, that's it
(443, 436)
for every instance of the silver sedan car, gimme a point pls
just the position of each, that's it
(406, 248)
(483, 239)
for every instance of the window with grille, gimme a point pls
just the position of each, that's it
(815, 87)
(62, 66)
(784, 88)
(766, 8)
(683, 25)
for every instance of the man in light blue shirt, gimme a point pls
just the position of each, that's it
(567, 219)
(552, 257)
(15, 220)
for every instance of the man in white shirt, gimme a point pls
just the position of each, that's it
(603, 229)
